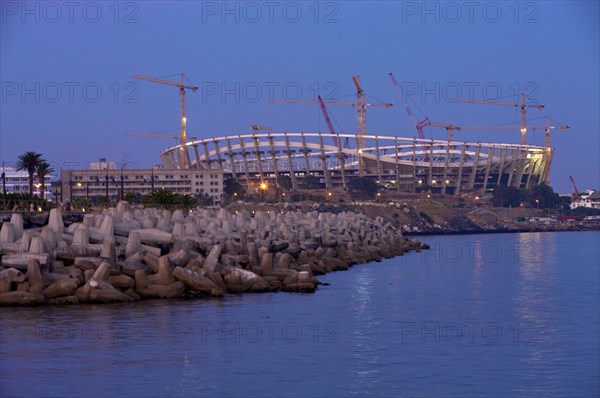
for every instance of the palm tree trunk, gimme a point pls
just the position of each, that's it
(31, 185)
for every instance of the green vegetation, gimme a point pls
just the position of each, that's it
(164, 197)
(133, 197)
(582, 212)
(81, 203)
(285, 182)
(362, 187)
(233, 189)
(507, 196)
(30, 161)
(43, 170)
(299, 197)
(21, 201)
(312, 182)
(542, 196)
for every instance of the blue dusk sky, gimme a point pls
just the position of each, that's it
(67, 90)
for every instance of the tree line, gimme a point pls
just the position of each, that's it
(36, 166)
(542, 196)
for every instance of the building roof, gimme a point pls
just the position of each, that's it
(594, 195)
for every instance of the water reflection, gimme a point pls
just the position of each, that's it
(536, 306)
(367, 332)
(478, 305)
(546, 305)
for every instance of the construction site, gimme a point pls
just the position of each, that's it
(405, 164)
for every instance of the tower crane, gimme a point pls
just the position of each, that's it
(334, 136)
(450, 128)
(328, 121)
(522, 105)
(547, 148)
(575, 190)
(184, 158)
(419, 126)
(159, 135)
(361, 105)
(257, 127)
(547, 127)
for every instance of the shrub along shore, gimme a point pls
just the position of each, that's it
(129, 253)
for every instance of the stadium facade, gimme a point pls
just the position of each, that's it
(398, 163)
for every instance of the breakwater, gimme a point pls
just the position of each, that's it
(130, 253)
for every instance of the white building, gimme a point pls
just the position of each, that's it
(92, 183)
(17, 181)
(102, 164)
(590, 198)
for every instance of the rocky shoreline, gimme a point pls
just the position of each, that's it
(422, 218)
(129, 253)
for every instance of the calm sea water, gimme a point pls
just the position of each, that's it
(478, 315)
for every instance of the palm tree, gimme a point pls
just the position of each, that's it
(43, 170)
(29, 161)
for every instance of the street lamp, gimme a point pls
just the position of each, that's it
(263, 188)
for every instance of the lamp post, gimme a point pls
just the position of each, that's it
(3, 188)
(70, 165)
(107, 200)
(152, 179)
(122, 187)
(263, 188)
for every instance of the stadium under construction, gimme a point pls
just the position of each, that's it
(399, 163)
(404, 164)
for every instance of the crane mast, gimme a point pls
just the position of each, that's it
(361, 111)
(328, 121)
(184, 158)
(575, 190)
(419, 126)
(522, 105)
(450, 128)
(361, 105)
